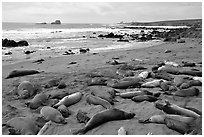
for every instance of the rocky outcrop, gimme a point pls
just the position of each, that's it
(111, 35)
(12, 43)
(56, 22)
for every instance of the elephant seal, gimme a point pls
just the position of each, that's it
(122, 131)
(64, 111)
(142, 98)
(132, 94)
(164, 86)
(103, 117)
(23, 125)
(187, 92)
(69, 100)
(124, 84)
(197, 78)
(104, 92)
(152, 84)
(52, 114)
(25, 89)
(44, 128)
(174, 109)
(178, 123)
(37, 101)
(190, 84)
(192, 73)
(18, 73)
(97, 101)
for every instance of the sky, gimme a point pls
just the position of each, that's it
(99, 12)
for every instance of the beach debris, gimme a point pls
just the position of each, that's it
(38, 61)
(22, 126)
(52, 114)
(73, 62)
(122, 131)
(167, 51)
(18, 73)
(82, 117)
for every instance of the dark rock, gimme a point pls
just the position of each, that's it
(167, 51)
(28, 52)
(56, 22)
(81, 50)
(8, 53)
(22, 43)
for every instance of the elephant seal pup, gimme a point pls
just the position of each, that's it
(141, 98)
(124, 84)
(187, 92)
(143, 74)
(64, 111)
(174, 109)
(37, 101)
(23, 125)
(25, 89)
(152, 84)
(52, 114)
(97, 101)
(69, 100)
(154, 119)
(103, 117)
(18, 73)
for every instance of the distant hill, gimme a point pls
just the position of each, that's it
(189, 22)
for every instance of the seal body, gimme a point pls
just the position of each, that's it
(18, 73)
(70, 99)
(143, 74)
(126, 83)
(98, 101)
(131, 94)
(25, 89)
(174, 109)
(52, 114)
(152, 84)
(24, 125)
(141, 98)
(187, 92)
(37, 101)
(63, 110)
(103, 117)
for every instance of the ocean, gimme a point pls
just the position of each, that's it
(61, 38)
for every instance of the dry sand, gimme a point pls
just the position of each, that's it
(75, 78)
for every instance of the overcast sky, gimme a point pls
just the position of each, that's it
(100, 12)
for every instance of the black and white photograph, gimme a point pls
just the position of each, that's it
(101, 67)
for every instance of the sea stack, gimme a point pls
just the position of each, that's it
(56, 22)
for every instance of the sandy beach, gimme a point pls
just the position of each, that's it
(74, 70)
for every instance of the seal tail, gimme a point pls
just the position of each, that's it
(78, 131)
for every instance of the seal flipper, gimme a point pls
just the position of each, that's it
(78, 131)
